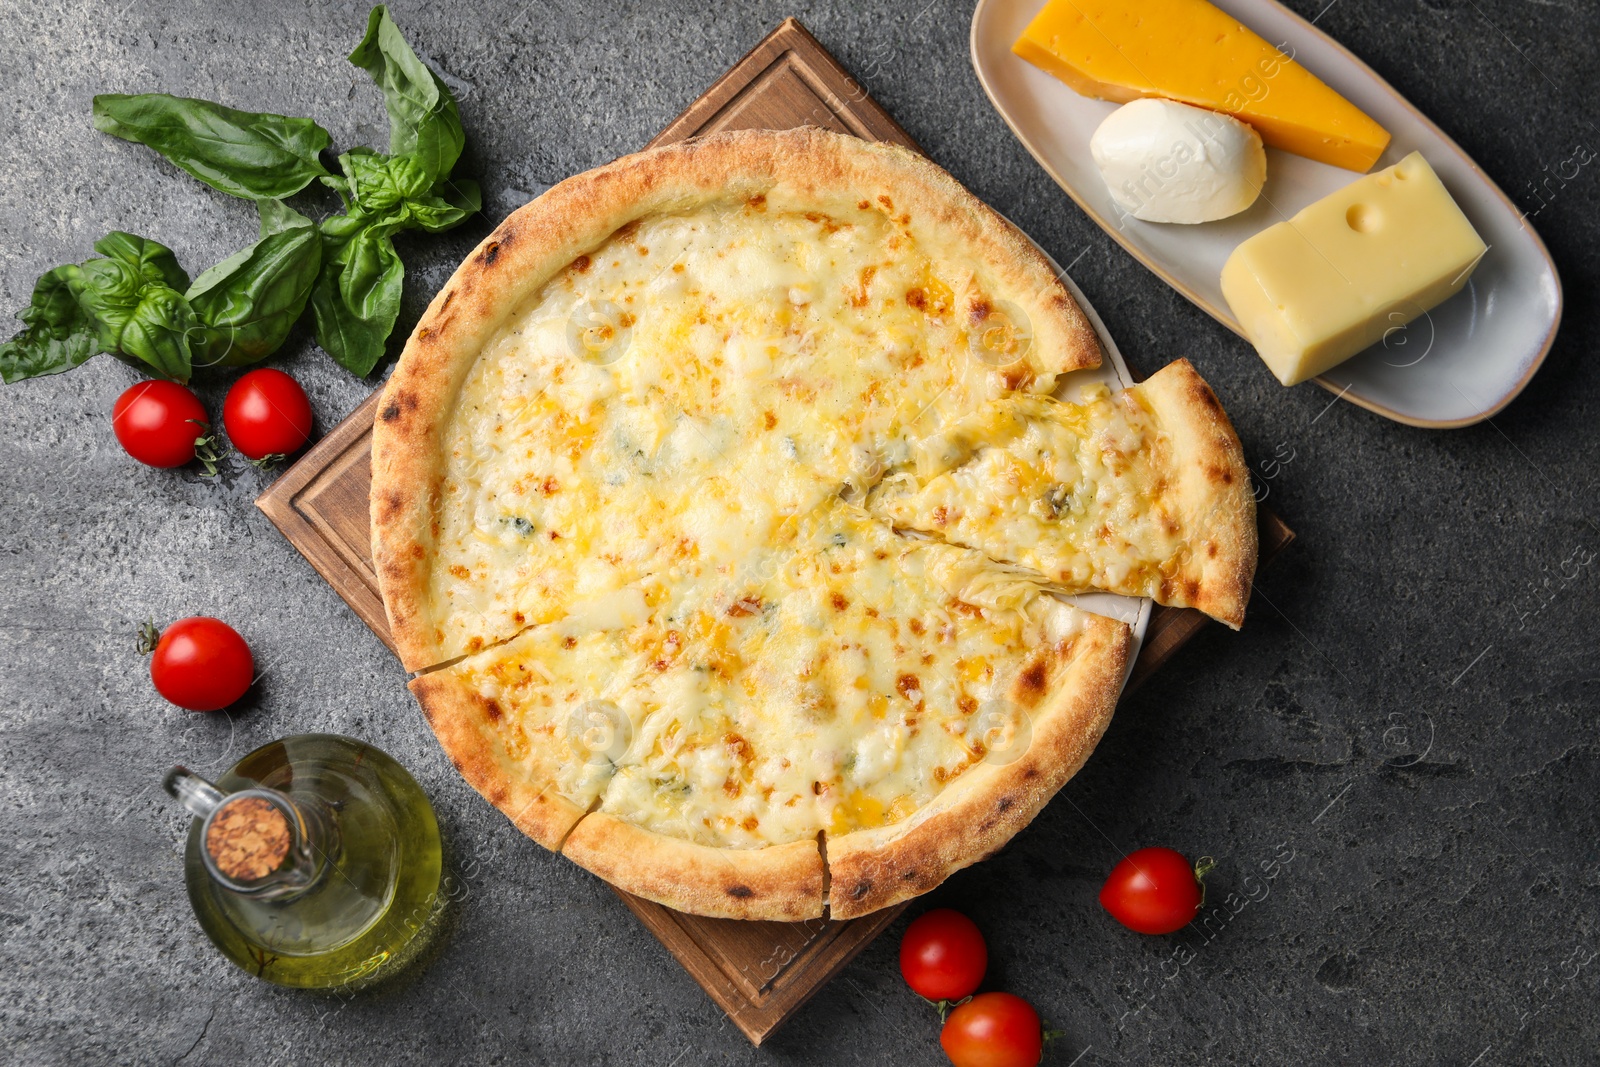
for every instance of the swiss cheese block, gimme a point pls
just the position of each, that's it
(1188, 50)
(1315, 290)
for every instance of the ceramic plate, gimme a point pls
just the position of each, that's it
(1457, 365)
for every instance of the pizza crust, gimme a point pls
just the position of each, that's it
(780, 883)
(460, 717)
(806, 165)
(1213, 496)
(984, 808)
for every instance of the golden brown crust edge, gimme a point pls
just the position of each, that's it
(458, 715)
(989, 804)
(780, 883)
(579, 214)
(1213, 491)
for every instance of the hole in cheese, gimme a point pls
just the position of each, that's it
(1362, 218)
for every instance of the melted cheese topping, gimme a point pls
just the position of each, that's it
(669, 401)
(1078, 492)
(644, 529)
(843, 690)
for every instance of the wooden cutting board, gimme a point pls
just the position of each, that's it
(760, 973)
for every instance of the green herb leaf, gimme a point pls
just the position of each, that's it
(113, 291)
(56, 334)
(255, 156)
(248, 303)
(151, 260)
(377, 185)
(451, 203)
(159, 330)
(424, 122)
(395, 189)
(357, 296)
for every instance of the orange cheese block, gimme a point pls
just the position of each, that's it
(1188, 50)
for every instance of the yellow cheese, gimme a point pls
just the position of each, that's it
(1188, 50)
(1315, 290)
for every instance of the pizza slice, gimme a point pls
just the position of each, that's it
(1143, 492)
(912, 703)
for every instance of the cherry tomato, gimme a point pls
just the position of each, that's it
(267, 414)
(942, 955)
(158, 422)
(1154, 891)
(993, 1030)
(201, 664)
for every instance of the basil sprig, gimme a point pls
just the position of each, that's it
(357, 297)
(136, 303)
(125, 301)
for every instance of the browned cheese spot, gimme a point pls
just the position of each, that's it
(1033, 679)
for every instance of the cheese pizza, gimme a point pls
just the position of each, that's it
(725, 507)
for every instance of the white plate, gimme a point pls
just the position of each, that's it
(1457, 365)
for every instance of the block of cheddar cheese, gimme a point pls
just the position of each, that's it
(1189, 51)
(1366, 259)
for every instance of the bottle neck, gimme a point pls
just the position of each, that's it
(258, 842)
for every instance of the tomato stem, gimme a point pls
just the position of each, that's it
(1202, 867)
(944, 1007)
(205, 448)
(148, 637)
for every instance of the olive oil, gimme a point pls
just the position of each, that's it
(351, 852)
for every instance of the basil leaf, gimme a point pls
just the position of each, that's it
(151, 260)
(56, 334)
(109, 289)
(242, 153)
(424, 122)
(132, 297)
(435, 213)
(159, 331)
(248, 303)
(377, 185)
(395, 189)
(357, 296)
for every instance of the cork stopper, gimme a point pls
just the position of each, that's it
(248, 839)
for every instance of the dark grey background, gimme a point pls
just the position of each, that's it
(1408, 713)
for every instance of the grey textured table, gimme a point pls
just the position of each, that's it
(1408, 716)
